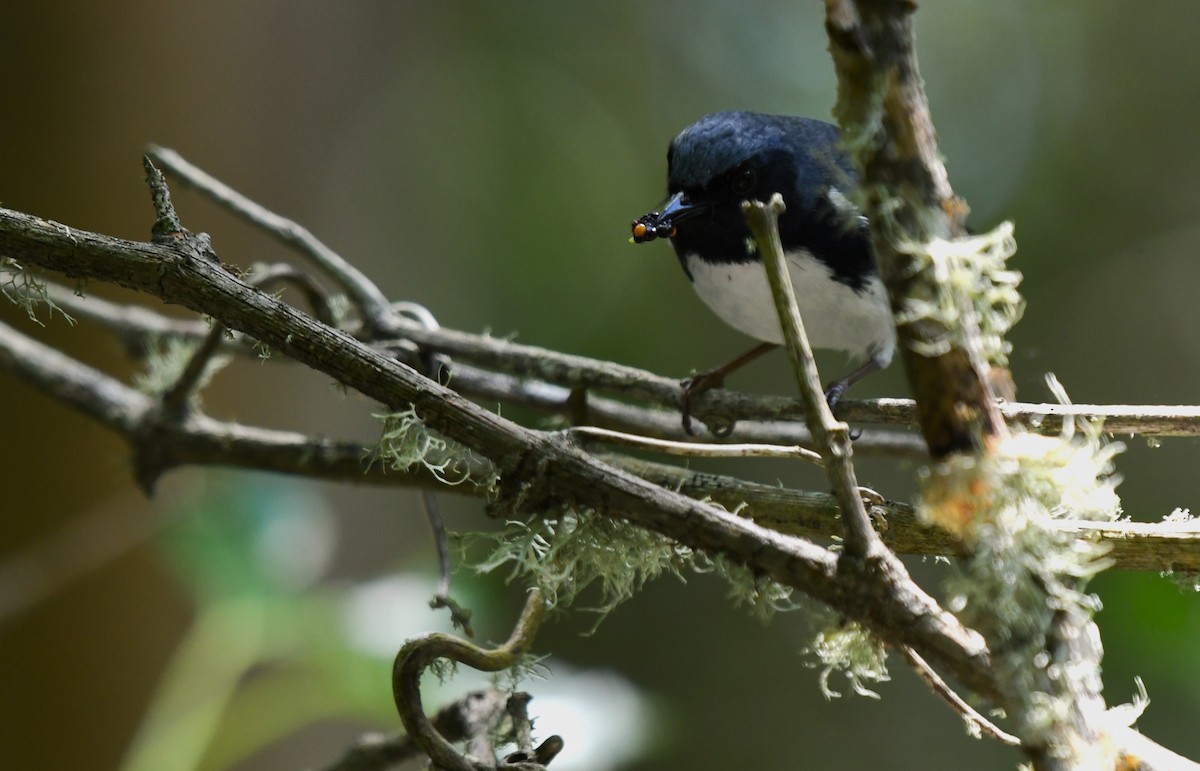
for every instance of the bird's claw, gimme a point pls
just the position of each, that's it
(693, 387)
(833, 394)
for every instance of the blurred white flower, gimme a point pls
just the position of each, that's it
(604, 720)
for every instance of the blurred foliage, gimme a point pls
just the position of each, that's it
(267, 652)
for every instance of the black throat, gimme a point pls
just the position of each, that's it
(720, 236)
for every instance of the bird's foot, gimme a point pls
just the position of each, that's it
(693, 387)
(833, 394)
(834, 391)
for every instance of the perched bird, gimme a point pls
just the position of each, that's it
(729, 157)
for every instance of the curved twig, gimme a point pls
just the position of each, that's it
(420, 652)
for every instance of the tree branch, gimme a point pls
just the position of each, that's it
(1047, 646)
(564, 474)
(906, 194)
(133, 324)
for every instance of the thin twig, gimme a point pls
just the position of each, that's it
(373, 304)
(694, 449)
(831, 435)
(460, 616)
(956, 702)
(268, 275)
(176, 399)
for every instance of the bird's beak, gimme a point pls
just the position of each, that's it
(662, 222)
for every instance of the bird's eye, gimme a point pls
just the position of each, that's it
(743, 181)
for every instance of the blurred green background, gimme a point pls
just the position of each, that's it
(485, 160)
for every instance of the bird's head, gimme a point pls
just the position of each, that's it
(730, 157)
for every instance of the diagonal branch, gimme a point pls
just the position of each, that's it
(556, 469)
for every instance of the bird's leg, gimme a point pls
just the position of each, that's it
(834, 391)
(714, 378)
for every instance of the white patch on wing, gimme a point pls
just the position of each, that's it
(845, 206)
(835, 316)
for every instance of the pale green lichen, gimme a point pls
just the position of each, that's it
(567, 554)
(1022, 572)
(971, 293)
(852, 650)
(27, 290)
(443, 669)
(262, 350)
(529, 666)
(165, 361)
(760, 595)
(407, 442)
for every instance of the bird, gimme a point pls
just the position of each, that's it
(726, 158)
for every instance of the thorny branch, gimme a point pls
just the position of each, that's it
(372, 302)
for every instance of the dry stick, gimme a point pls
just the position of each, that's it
(956, 702)
(460, 616)
(694, 449)
(372, 303)
(418, 653)
(832, 436)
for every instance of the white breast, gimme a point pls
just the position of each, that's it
(835, 316)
